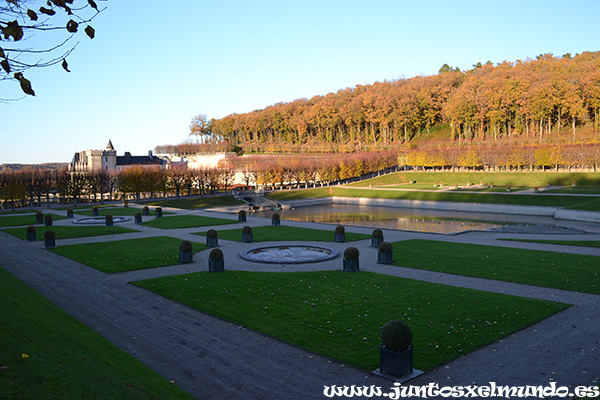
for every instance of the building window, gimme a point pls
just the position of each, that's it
(107, 167)
(106, 159)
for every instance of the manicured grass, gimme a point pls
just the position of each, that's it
(286, 233)
(127, 255)
(531, 179)
(581, 243)
(19, 211)
(339, 314)
(576, 190)
(67, 232)
(119, 211)
(532, 267)
(186, 221)
(21, 220)
(199, 202)
(580, 203)
(47, 354)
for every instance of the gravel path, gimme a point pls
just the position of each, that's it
(212, 358)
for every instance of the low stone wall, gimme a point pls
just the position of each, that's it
(578, 215)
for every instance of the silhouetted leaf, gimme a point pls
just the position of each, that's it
(90, 31)
(2, 53)
(25, 84)
(92, 4)
(72, 26)
(65, 65)
(47, 11)
(5, 65)
(32, 15)
(13, 29)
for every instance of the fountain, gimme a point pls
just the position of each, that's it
(289, 254)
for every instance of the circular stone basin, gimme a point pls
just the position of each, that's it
(292, 254)
(99, 220)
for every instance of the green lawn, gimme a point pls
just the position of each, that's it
(532, 267)
(576, 190)
(286, 233)
(581, 243)
(531, 179)
(22, 220)
(580, 203)
(200, 202)
(339, 314)
(47, 354)
(186, 221)
(119, 211)
(127, 255)
(67, 232)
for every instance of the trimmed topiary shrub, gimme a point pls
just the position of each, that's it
(108, 220)
(216, 254)
(385, 247)
(275, 219)
(158, 212)
(138, 218)
(247, 234)
(396, 335)
(48, 220)
(339, 235)
(212, 238)
(49, 235)
(185, 252)
(95, 212)
(211, 233)
(70, 213)
(376, 238)
(185, 246)
(351, 253)
(247, 229)
(31, 233)
(49, 240)
(146, 211)
(39, 218)
(241, 216)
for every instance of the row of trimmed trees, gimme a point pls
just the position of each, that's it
(507, 157)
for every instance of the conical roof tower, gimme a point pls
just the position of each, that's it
(109, 146)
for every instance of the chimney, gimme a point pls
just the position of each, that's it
(150, 153)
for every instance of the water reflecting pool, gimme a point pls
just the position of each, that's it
(407, 218)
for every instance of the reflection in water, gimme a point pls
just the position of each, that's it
(404, 218)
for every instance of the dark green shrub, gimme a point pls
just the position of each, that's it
(211, 233)
(377, 233)
(216, 254)
(95, 209)
(48, 218)
(146, 208)
(340, 229)
(351, 253)
(242, 213)
(49, 235)
(138, 215)
(31, 229)
(396, 335)
(275, 216)
(246, 229)
(108, 218)
(385, 247)
(39, 215)
(185, 246)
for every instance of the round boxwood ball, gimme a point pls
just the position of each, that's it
(138, 215)
(246, 229)
(377, 233)
(216, 254)
(108, 217)
(31, 229)
(275, 216)
(242, 213)
(49, 235)
(145, 208)
(212, 234)
(351, 253)
(185, 246)
(48, 217)
(340, 229)
(396, 335)
(385, 247)
(39, 214)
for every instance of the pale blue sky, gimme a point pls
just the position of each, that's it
(154, 65)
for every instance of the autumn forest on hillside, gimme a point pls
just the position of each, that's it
(541, 112)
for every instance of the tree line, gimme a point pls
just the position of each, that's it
(535, 99)
(29, 186)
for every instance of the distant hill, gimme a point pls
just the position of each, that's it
(18, 167)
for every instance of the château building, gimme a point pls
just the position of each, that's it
(107, 161)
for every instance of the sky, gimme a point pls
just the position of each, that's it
(154, 65)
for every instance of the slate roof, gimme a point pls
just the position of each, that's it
(128, 159)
